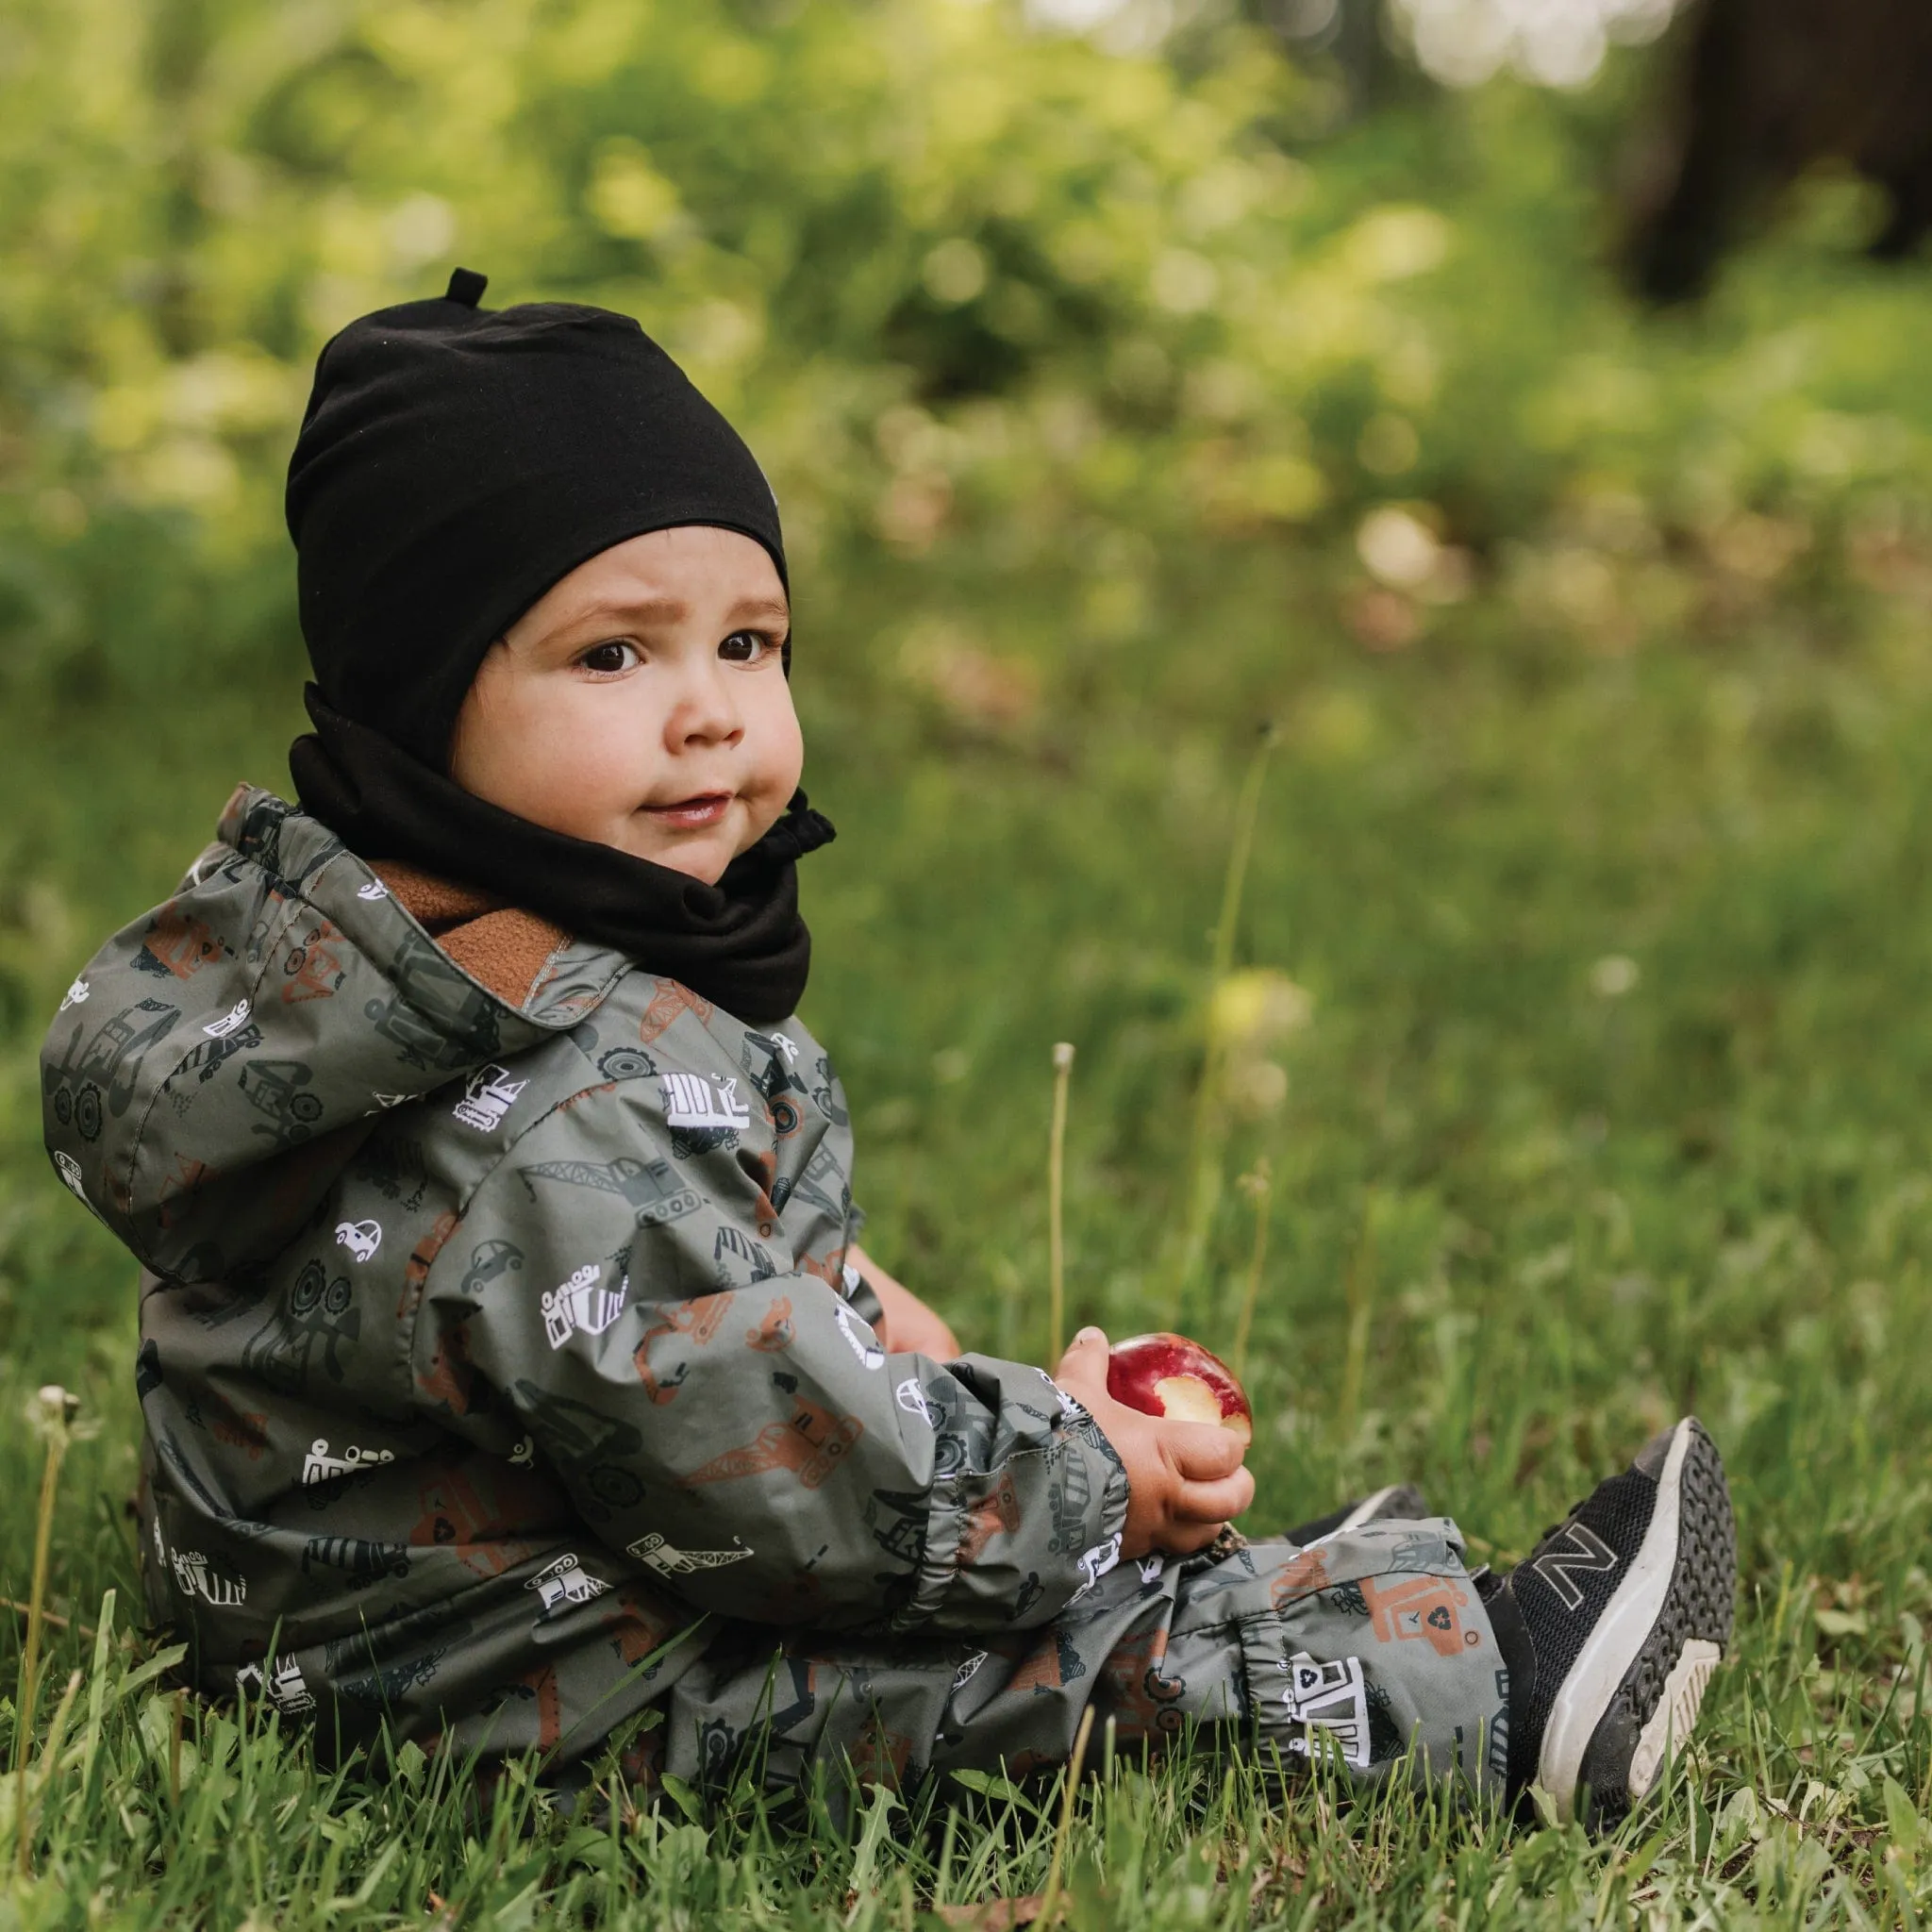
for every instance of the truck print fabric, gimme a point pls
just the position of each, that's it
(503, 1374)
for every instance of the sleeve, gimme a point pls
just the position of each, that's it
(860, 1296)
(735, 1428)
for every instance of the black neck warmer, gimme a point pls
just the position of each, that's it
(740, 943)
(454, 463)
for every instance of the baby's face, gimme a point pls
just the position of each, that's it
(643, 703)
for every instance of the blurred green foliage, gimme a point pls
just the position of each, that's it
(1115, 407)
(1117, 403)
(1112, 411)
(1068, 328)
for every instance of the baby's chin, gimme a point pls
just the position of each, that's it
(708, 868)
(700, 855)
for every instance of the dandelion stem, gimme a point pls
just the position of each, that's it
(1056, 1203)
(1361, 1299)
(1246, 812)
(36, 1618)
(1259, 1186)
(1202, 1188)
(1050, 1898)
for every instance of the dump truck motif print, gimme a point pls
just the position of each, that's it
(487, 1096)
(283, 1683)
(581, 1307)
(566, 1582)
(692, 1101)
(321, 1465)
(503, 1375)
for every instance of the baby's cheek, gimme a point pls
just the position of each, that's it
(594, 790)
(761, 814)
(778, 762)
(538, 750)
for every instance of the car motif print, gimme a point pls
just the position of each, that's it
(497, 1388)
(361, 1238)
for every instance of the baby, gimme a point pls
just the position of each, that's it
(508, 1363)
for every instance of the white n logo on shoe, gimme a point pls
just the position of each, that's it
(1581, 1552)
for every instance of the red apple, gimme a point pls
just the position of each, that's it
(1172, 1376)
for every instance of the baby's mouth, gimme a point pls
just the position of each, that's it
(701, 808)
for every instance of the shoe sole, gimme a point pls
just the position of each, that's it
(1637, 1684)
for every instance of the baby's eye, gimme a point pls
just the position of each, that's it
(746, 647)
(617, 653)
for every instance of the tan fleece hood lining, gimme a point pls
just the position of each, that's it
(500, 947)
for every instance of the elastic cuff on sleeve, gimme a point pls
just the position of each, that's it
(1012, 1547)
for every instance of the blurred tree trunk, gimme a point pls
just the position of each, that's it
(181, 35)
(1764, 90)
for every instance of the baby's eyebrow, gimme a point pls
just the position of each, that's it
(675, 609)
(637, 610)
(761, 610)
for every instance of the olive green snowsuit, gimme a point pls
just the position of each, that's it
(503, 1375)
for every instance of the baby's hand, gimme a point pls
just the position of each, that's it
(1184, 1479)
(910, 1327)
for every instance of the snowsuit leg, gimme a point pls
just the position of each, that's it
(1375, 1636)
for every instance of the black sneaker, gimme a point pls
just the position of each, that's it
(1612, 1625)
(1398, 1503)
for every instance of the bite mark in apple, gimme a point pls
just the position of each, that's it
(1174, 1377)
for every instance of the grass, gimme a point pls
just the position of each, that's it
(1611, 1106)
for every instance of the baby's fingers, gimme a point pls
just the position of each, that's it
(1216, 1502)
(1184, 1539)
(1083, 1367)
(1201, 1452)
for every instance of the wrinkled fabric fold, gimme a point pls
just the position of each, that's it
(741, 943)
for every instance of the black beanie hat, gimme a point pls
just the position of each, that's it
(455, 462)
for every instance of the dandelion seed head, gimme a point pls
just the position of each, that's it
(54, 1413)
(1256, 1009)
(1614, 976)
